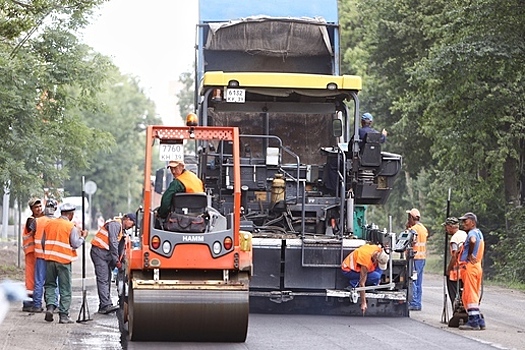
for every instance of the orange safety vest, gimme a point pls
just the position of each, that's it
(420, 245)
(191, 182)
(101, 239)
(362, 256)
(28, 239)
(453, 274)
(57, 247)
(41, 224)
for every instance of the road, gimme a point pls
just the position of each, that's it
(503, 310)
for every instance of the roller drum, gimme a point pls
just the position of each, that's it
(199, 315)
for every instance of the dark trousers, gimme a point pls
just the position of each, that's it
(56, 271)
(452, 287)
(103, 271)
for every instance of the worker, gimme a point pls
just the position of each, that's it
(420, 254)
(364, 267)
(105, 257)
(183, 181)
(28, 244)
(62, 238)
(471, 271)
(366, 127)
(40, 265)
(456, 242)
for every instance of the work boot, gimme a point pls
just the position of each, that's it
(27, 306)
(471, 325)
(64, 318)
(36, 309)
(481, 322)
(107, 309)
(49, 313)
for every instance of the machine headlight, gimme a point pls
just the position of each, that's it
(217, 248)
(332, 86)
(166, 247)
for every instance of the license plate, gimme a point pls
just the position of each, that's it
(169, 151)
(235, 95)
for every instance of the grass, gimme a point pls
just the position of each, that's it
(11, 272)
(434, 265)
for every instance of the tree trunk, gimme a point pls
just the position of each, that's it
(510, 180)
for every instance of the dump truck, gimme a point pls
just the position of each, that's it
(272, 69)
(186, 277)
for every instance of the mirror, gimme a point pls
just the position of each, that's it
(337, 128)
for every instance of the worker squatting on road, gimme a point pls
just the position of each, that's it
(420, 256)
(105, 256)
(28, 244)
(364, 267)
(471, 271)
(40, 263)
(454, 284)
(62, 238)
(183, 181)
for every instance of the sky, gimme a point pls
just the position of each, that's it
(152, 40)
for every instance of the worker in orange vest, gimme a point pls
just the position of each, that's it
(28, 244)
(420, 251)
(364, 267)
(105, 256)
(183, 181)
(40, 265)
(456, 242)
(62, 238)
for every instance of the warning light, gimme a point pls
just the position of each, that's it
(192, 120)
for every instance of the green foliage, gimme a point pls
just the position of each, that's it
(123, 113)
(446, 80)
(507, 255)
(185, 96)
(40, 62)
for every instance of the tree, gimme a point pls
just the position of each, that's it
(40, 61)
(124, 113)
(446, 79)
(185, 95)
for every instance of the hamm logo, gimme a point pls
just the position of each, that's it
(193, 238)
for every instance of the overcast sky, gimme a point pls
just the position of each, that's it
(152, 40)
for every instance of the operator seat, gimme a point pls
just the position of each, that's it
(371, 150)
(189, 203)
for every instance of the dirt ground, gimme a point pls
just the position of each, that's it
(9, 262)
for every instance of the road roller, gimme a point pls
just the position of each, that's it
(186, 276)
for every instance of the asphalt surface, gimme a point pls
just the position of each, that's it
(503, 310)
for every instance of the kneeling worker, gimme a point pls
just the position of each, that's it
(104, 253)
(364, 267)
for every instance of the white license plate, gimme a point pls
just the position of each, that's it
(235, 95)
(170, 151)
